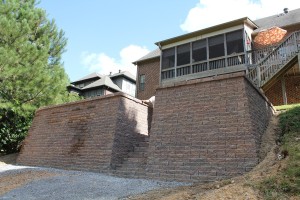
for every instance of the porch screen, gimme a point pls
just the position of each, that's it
(199, 51)
(234, 42)
(216, 46)
(168, 58)
(183, 54)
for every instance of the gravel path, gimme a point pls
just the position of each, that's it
(76, 185)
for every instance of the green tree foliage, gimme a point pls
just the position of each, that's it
(31, 72)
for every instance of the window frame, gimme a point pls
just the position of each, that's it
(142, 84)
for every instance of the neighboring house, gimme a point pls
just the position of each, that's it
(97, 85)
(266, 49)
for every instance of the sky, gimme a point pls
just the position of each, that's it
(108, 35)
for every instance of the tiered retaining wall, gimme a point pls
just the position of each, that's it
(202, 130)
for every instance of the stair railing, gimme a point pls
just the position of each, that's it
(273, 59)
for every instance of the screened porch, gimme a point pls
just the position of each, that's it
(226, 50)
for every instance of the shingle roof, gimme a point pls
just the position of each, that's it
(104, 81)
(152, 54)
(280, 20)
(90, 76)
(124, 73)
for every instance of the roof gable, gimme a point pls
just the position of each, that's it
(87, 77)
(104, 81)
(125, 74)
(152, 54)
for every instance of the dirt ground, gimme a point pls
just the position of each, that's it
(235, 188)
(10, 182)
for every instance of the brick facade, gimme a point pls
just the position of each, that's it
(91, 135)
(274, 94)
(292, 85)
(206, 129)
(151, 70)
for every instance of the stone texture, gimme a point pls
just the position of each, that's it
(205, 130)
(91, 135)
(202, 130)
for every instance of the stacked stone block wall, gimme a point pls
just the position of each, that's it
(203, 129)
(85, 135)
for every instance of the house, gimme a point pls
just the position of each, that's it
(210, 114)
(265, 49)
(97, 85)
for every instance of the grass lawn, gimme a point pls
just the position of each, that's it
(286, 183)
(286, 107)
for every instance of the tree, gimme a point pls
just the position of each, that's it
(31, 71)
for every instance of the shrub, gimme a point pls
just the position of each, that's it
(13, 129)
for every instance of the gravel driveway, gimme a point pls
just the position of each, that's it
(63, 184)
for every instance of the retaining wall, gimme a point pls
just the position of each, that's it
(92, 135)
(207, 129)
(202, 130)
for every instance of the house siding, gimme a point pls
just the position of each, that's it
(151, 70)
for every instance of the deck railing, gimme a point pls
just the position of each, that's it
(262, 64)
(265, 63)
(197, 67)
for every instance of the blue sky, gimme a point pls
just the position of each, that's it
(105, 36)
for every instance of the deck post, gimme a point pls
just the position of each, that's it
(284, 96)
(258, 76)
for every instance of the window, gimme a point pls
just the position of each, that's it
(168, 58)
(199, 51)
(93, 93)
(142, 82)
(216, 46)
(128, 87)
(183, 54)
(234, 42)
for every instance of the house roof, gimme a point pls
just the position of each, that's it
(279, 20)
(208, 30)
(104, 81)
(151, 55)
(90, 76)
(124, 73)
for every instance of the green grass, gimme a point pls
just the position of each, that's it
(287, 182)
(286, 107)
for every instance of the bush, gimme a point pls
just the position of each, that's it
(13, 129)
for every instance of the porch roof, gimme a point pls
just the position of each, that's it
(207, 30)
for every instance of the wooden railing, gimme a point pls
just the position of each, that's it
(265, 63)
(198, 67)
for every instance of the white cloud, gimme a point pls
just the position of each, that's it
(212, 12)
(104, 64)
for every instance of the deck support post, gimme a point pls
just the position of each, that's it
(284, 96)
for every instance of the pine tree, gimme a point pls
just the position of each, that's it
(31, 46)
(31, 71)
